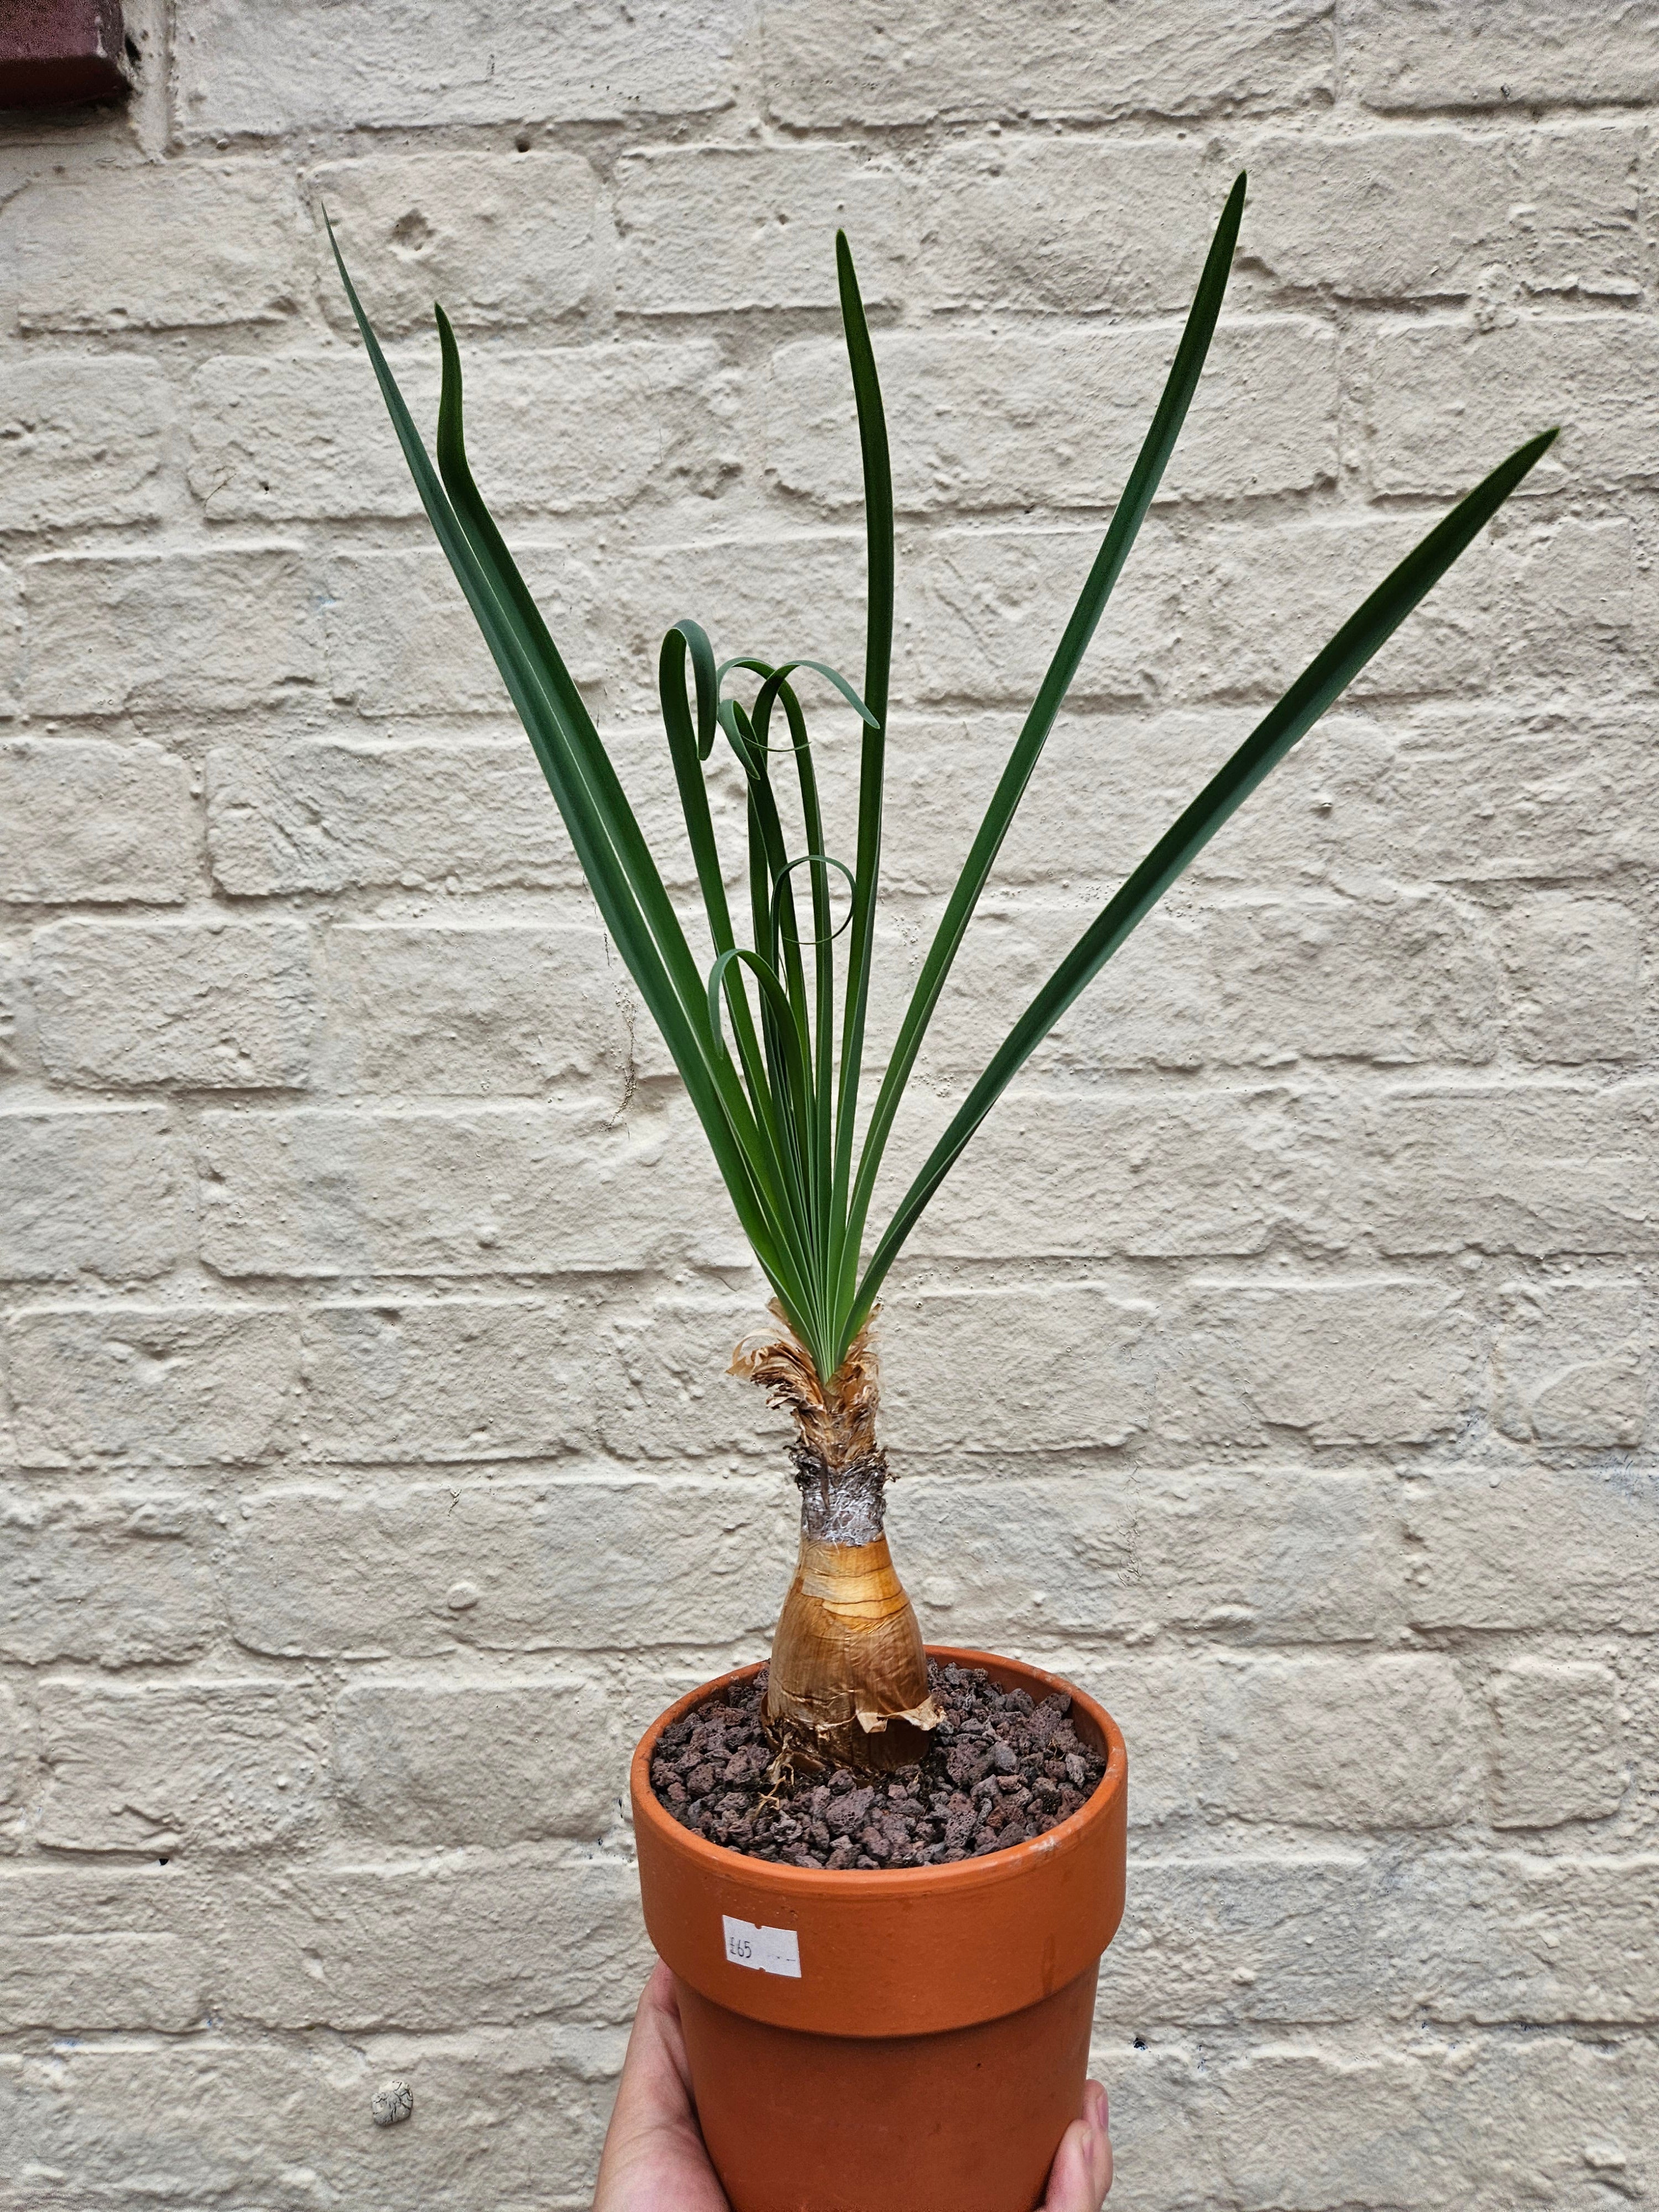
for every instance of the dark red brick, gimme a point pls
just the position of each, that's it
(60, 53)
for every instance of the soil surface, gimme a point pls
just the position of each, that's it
(998, 1770)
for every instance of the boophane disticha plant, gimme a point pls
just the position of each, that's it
(766, 1028)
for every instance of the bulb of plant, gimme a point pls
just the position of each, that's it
(767, 1032)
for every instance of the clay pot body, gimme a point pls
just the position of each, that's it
(912, 2041)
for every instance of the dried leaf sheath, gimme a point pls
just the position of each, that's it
(848, 1678)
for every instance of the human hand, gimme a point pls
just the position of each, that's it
(1081, 2175)
(654, 2158)
(654, 2161)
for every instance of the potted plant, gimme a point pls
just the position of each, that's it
(883, 1878)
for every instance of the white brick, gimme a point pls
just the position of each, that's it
(711, 228)
(478, 1763)
(583, 429)
(1475, 2122)
(407, 1572)
(90, 1192)
(70, 1983)
(1534, 1168)
(81, 819)
(851, 61)
(1397, 979)
(1077, 226)
(1124, 1553)
(16, 1757)
(1333, 1743)
(1376, 1362)
(1575, 972)
(1447, 401)
(1164, 2117)
(237, 69)
(217, 1007)
(661, 1386)
(1555, 1744)
(972, 1372)
(984, 612)
(1497, 620)
(1007, 421)
(11, 641)
(1158, 1702)
(520, 1190)
(465, 1380)
(776, 597)
(1357, 802)
(1085, 224)
(1440, 55)
(402, 641)
(85, 440)
(16, 1018)
(1191, 1174)
(147, 632)
(1565, 605)
(116, 1581)
(1572, 1364)
(1261, 983)
(1538, 603)
(184, 1768)
(173, 1386)
(329, 816)
(1324, 572)
(301, 1961)
(1215, 1942)
(519, 2110)
(475, 1010)
(1533, 1547)
(499, 238)
(1507, 1937)
(290, 1953)
(159, 246)
(1433, 214)
(1306, 2130)
(1012, 947)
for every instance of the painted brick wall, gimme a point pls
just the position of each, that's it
(1280, 1361)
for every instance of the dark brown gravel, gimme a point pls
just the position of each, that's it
(998, 1770)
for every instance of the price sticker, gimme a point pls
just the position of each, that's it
(764, 1950)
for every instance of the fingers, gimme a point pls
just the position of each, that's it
(659, 2016)
(1082, 2171)
(654, 2154)
(656, 2078)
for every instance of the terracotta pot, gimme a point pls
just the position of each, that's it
(912, 2041)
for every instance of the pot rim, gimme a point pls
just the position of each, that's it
(961, 1875)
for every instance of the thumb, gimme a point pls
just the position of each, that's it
(1082, 2171)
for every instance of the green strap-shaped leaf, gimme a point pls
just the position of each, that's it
(555, 721)
(1324, 679)
(685, 746)
(1137, 494)
(776, 678)
(843, 1256)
